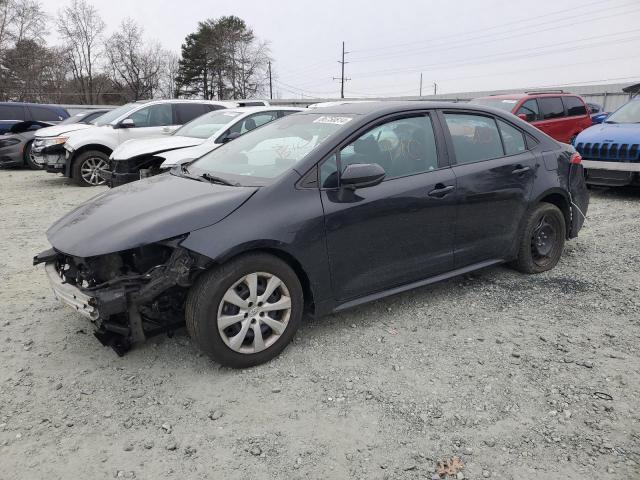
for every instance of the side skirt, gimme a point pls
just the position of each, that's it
(420, 283)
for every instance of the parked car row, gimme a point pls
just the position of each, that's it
(312, 212)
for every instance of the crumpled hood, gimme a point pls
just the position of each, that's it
(143, 212)
(58, 130)
(611, 133)
(175, 157)
(149, 146)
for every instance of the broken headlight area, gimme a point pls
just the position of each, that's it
(125, 171)
(129, 295)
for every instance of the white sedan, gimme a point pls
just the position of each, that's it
(146, 157)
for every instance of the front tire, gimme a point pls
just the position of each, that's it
(87, 167)
(245, 312)
(542, 239)
(28, 158)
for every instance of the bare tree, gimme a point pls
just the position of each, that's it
(81, 28)
(134, 66)
(252, 60)
(167, 88)
(29, 21)
(6, 18)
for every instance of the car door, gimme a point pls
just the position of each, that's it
(148, 121)
(494, 171)
(400, 230)
(553, 120)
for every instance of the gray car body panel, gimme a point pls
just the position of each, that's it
(140, 213)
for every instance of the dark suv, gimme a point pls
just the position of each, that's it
(558, 114)
(316, 212)
(16, 112)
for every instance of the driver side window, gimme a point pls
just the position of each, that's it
(153, 116)
(402, 147)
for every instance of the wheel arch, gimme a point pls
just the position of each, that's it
(276, 249)
(560, 199)
(85, 148)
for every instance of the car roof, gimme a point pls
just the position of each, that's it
(384, 107)
(518, 96)
(261, 109)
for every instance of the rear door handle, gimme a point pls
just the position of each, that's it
(441, 190)
(520, 169)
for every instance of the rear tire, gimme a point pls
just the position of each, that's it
(542, 239)
(28, 158)
(86, 168)
(245, 312)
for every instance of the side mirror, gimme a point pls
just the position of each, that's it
(523, 116)
(361, 175)
(127, 123)
(230, 136)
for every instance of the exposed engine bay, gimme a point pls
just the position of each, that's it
(129, 296)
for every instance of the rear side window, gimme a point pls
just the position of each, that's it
(475, 137)
(11, 112)
(512, 138)
(185, 112)
(44, 114)
(158, 115)
(574, 106)
(551, 107)
(530, 110)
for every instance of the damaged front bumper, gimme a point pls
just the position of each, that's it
(70, 295)
(125, 309)
(50, 157)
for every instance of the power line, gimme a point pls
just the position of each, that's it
(474, 40)
(509, 72)
(527, 19)
(459, 43)
(519, 54)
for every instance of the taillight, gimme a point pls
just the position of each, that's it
(576, 159)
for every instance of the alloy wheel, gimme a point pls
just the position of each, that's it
(254, 312)
(91, 170)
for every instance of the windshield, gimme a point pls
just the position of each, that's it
(628, 113)
(506, 104)
(206, 125)
(270, 150)
(115, 113)
(73, 119)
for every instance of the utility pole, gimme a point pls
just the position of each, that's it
(421, 84)
(342, 79)
(270, 84)
(435, 88)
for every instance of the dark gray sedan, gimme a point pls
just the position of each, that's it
(15, 145)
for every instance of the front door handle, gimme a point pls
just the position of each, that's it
(520, 169)
(441, 190)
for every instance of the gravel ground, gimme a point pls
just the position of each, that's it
(518, 376)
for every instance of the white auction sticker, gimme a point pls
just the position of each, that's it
(333, 120)
(509, 101)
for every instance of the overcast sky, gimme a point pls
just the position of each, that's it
(462, 45)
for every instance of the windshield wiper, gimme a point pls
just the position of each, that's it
(609, 121)
(218, 180)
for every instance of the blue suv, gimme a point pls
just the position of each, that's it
(611, 150)
(16, 112)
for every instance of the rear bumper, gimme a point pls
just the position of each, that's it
(611, 174)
